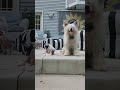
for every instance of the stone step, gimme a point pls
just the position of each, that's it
(112, 64)
(59, 64)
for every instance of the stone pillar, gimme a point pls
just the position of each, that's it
(95, 36)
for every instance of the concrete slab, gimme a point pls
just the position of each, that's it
(59, 64)
(27, 80)
(38, 60)
(11, 61)
(59, 82)
(8, 79)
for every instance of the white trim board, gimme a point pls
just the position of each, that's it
(16, 5)
(73, 10)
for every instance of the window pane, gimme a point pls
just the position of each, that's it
(37, 21)
(39, 26)
(0, 4)
(4, 3)
(36, 16)
(10, 3)
(39, 16)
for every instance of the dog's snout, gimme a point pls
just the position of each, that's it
(71, 30)
(46, 46)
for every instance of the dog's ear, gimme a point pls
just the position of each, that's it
(65, 24)
(76, 23)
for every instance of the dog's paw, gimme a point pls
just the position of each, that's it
(66, 53)
(76, 53)
(62, 52)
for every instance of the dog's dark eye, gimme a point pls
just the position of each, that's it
(46, 46)
(71, 21)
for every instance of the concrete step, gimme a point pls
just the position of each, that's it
(112, 64)
(98, 80)
(59, 64)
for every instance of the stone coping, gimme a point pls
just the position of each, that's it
(59, 64)
(40, 54)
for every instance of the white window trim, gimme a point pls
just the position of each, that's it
(73, 10)
(15, 5)
(41, 19)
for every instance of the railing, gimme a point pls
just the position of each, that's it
(70, 3)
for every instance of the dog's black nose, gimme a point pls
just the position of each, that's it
(71, 30)
(46, 46)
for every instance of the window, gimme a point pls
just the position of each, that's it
(6, 4)
(9, 5)
(38, 20)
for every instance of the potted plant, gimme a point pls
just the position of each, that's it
(48, 33)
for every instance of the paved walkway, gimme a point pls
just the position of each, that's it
(59, 82)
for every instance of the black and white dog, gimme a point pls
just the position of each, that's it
(50, 49)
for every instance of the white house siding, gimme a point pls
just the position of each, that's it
(29, 6)
(50, 6)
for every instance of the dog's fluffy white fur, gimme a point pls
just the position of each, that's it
(70, 39)
(50, 49)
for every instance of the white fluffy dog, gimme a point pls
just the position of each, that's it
(70, 39)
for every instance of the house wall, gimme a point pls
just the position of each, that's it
(48, 7)
(26, 4)
(28, 7)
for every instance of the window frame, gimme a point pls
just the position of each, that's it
(41, 20)
(15, 6)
